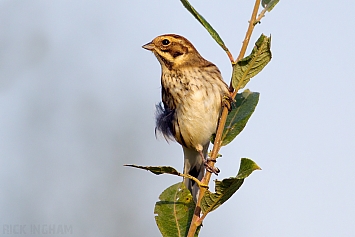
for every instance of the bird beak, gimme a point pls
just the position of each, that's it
(149, 46)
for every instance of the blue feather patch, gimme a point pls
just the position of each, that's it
(164, 121)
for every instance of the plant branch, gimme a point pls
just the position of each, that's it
(198, 182)
(261, 15)
(218, 139)
(246, 39)
(196, 219)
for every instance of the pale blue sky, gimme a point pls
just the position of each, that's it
(77, 102)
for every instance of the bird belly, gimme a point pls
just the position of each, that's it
(198, 119)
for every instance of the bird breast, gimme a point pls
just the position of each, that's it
(196, 96)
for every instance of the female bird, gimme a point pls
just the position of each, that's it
(192, 93)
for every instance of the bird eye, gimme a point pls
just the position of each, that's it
(165, 42)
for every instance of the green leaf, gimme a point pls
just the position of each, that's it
(227, 187)
(269, 4)
(223, 191)
(205, 24)
(174, 211)
(247, 166)
(241, 110)
(251, 65)
(157, 169)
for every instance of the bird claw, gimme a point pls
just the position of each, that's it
(211, 169)
(227, 102)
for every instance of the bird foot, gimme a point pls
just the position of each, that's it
(227, 102)
(211, 169)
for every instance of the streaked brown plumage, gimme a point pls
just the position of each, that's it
(192, 93)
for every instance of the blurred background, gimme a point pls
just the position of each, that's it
(77, 101)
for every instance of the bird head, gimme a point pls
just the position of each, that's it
(174, 51)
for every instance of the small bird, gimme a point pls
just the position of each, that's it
(193, 93)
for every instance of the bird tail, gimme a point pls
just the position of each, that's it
(194, 166)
